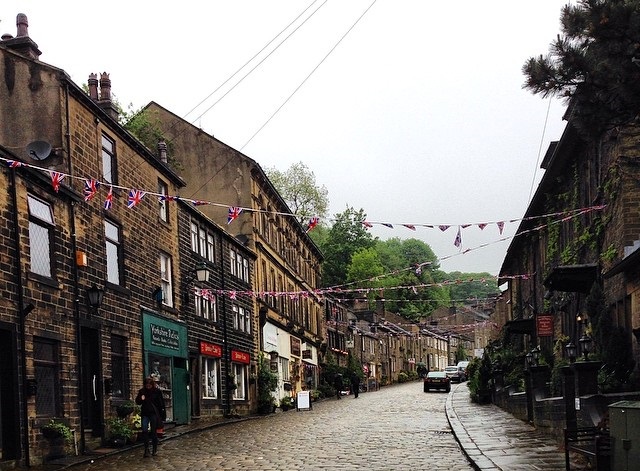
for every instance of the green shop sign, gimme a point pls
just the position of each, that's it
(161, 335)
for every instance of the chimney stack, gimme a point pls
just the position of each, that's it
(22, 43)
(93, 86)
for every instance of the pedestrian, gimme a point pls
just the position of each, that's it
(355, 384)
(337, 383)
(153, 413)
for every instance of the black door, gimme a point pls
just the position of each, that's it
(91, 381)
(9, 445)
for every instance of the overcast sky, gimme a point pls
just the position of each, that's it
(412, 110)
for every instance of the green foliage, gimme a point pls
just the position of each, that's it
(286, 403)
(346, 237)
(592, 63)
(403, 377)
(556, 376)
(148, 130)
(267, 383)
(297, 186)
(119, 428)
(480, 374)
(610, 254)
(54, 429)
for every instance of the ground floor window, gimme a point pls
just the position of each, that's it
(210, 368)
(45, 354)
(240, 373)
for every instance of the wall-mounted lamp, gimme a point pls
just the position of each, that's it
(200, 273)
(94, 297)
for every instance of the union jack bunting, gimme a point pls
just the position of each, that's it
(90, 188)
(410, 226)
(443, 227)
(313, 222)
(366, 224)
(135, 196)
(56, 178)
(16, 164)
(501, 226)
(458, 241)
(109, 199)
(199, 202)
(234, 212)
(168, 198)
(386, 224)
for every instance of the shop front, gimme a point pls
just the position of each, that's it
(166, 360)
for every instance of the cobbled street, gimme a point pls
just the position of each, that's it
(397, 428)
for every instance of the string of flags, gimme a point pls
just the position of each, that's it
(135, 196)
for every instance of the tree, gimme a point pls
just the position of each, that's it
(594, 63)
(297, 186)
(475, 286)
(346, 236)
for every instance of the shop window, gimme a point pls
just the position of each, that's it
(210, 368)
(239, 371)
(45, 354)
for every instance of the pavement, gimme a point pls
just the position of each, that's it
(492, 439)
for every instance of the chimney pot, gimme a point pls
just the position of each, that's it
(93, 86)
(23, 25)
(162, 151)
(6, 37)
(105, 87)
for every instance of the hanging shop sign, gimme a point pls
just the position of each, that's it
(295, 346)
(545, 326)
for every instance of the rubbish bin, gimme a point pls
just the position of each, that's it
(624, 420)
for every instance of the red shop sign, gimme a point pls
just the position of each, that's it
(210, 349)
(545, 326)
(240, 357)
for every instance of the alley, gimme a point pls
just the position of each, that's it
(398, 427)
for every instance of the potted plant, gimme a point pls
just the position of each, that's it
(58, 435)
(267, 383)
(119, 431)
(56, 430)
(286, 403)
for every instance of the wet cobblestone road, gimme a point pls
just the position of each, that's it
(396, 428)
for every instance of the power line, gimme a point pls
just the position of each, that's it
(308, 76)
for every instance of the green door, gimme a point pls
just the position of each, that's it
(181, 393)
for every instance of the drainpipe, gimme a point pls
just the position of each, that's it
(225, 348)
(76, 287)
(23, 315)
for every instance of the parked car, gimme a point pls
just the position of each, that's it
(454, 374)
(463, 366)
(437, 380)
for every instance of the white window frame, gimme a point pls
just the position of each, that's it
(241, 319)
(210, 377)
(240, 372)
(163, 189)
(113, 248)
(206, 305)
(166, 277)
(108, 159)
(41, 226)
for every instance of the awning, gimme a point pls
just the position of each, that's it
(521, 326)
(572, 278)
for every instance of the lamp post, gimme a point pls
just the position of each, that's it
(94, 297)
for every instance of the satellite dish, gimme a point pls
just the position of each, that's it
(39, 150)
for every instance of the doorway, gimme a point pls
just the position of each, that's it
(91, 381)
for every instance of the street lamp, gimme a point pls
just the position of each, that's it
(535, 353)
(585, 342)
(571, 352)
(201, 273)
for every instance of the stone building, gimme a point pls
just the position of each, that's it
(80, 218)
(233, 191)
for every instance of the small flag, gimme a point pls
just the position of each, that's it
(443, 227)
(234, 212)
(90, 188)
(233, 295)
(313, 222)
(482, 225)
(199, 202)
(500, 226)
(410, 226)
(135, 196)
(168, 198)
(366, 224)
(109, 200)
(56, 179)
(458, 241)
(16, 164)
(386, 224)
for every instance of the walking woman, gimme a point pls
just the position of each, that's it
(152, 412)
